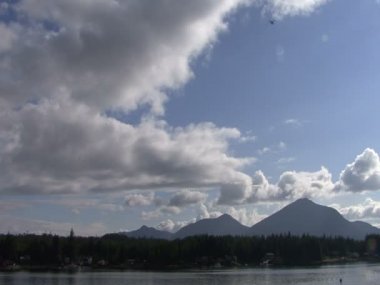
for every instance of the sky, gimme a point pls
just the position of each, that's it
(115, 114)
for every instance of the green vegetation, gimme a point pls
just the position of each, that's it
(117, 251)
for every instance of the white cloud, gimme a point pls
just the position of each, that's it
(74, 61)
(109, 53)
(361, 175)
(293, 122)
(87, 58)
(282, 8)
(172, 226)
(247, 137)
(245, 216)
(368, 209)
(264, 150)
(281, 146)
(64, 154)
(292, 185)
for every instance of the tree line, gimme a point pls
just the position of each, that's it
(116, 250)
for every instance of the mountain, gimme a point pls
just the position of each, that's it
(300, 217)
(223, 225)
(148, 232)
(305, 217)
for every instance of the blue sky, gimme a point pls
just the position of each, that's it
(117, 114)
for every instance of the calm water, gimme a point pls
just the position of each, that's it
(351, 274)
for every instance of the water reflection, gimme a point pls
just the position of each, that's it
(350, 274)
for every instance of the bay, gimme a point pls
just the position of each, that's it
(350, 274)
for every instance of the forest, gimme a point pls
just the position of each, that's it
(52, 252)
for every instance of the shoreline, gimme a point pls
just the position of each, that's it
(120, 268)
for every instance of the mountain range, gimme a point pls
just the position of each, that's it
(300, 217)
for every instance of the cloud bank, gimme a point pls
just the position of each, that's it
(66, 65)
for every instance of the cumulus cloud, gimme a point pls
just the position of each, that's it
(88, 58)
(361, 175)
(292, 185)
(117, 54)
(136, 199)
(66, 64)
(46, 151)
(235, 193)
(204, 212)
(185, 198)
(245, 216)
(172, 226)
(368, 209)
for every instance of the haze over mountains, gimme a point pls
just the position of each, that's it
(300, 217)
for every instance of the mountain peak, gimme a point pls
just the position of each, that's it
(225, 217)
(303, 201)
(306, 217)
(223, 225)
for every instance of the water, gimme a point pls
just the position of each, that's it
(351, 275)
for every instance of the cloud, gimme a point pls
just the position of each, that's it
(160, 211)
(136, 199)
(173, 226)
(361, 175)
(6, 206)
(89, 58)
(280, 53)
(67, 64)
(108, 54)
(293, 122)
(186, 197)
(325, 38)
(282, 8)
(264, 150)
(368, 209)
(281, 146)
(204, 212)
(285, 160)
(8, 36)
(247, 137)
(46, 151)
(235, 193)
(245, 216)
(171, 210)
(291, 185)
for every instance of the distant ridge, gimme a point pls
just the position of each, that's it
(223, 225)
(300, 217)
(148, 232)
